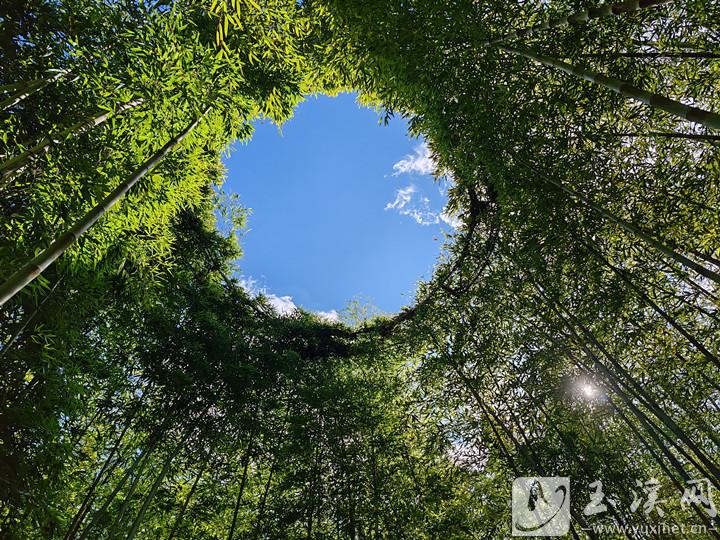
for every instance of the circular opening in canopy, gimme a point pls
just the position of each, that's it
(343, 207)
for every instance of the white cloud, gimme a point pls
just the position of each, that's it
(250, 285)
(421, 212)
(421, 162)
(454, 221)
(402, 198)
(283, 305)
(408, 202)
(329, 316)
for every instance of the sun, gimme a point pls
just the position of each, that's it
(588, 390)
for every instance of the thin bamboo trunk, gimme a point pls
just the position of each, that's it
(571, 449)
(527, 450)
(150, 496)
(611, 385)
(658, 442)
(694, 416)
(653, 55)
(678, 276)
(489, 415)
(692, 114)
(243, 481)
(707, 380)
(29, 319)
(635, 389)
(671, 135)
(10, 168)
(674, 461)
(259, 522)
(626, 226)
(684, 453)
(113, 530)
(612, 380)
(151, 443)
(697, 287)
(705, 257)
(14, 87)
(34, 268)
(650, 302)
(578, 17)
(186, 503)
(106, 470)
(90, 495)
(27, 89)
(138, 462)
(498, 438)
(171, 455)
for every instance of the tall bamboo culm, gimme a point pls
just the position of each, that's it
(577, 18)
(14, 165)
(693, 114)
(16, 282)
(24, 90)
(627, 226)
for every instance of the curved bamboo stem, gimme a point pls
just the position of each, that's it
(34, 268)
(628, 227)
(12, 166)
(692, 114)
(578, 17)
(24, 90)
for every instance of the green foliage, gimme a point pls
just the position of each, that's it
(568, 332)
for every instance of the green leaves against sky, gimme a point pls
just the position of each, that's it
(573, 329)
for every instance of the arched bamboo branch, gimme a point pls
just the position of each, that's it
(12, 166)
(692, 114)
(34, 268)
(579, 17)
(24, 90)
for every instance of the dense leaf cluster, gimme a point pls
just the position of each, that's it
(572, 330)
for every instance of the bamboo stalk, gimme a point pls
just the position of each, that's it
(704, 461)
(12, 166)
(181, 514)
(26, 90)
(628, 227)
(28, 320)
(34, 268)
(673, 461)
(150, 496)
(654, 55)
(692, 114)
(612, 384)
(246, 463)
(138, 462)
(671, 135)
(578, 17)
(84, 506)
(650, 302)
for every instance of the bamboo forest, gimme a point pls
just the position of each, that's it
(558, 374)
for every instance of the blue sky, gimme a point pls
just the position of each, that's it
(342, 208)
